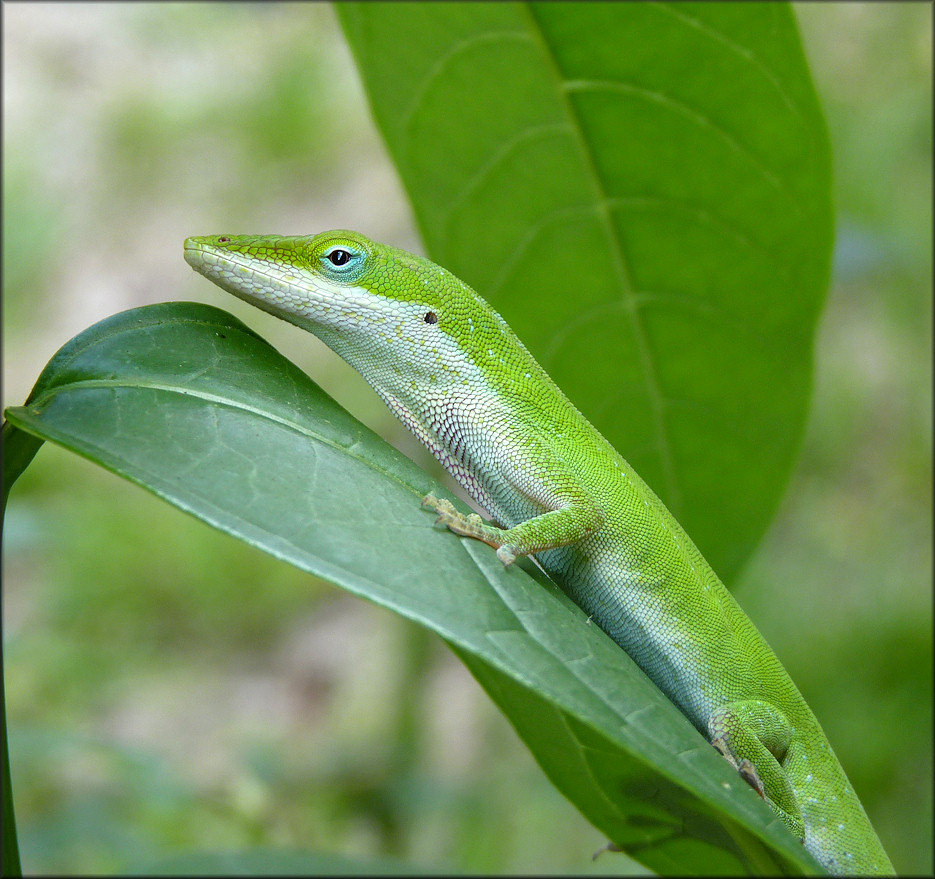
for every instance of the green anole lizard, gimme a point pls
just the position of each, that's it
(452, 370)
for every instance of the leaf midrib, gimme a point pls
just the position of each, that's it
(603, 207)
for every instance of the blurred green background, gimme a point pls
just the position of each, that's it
(171, 690)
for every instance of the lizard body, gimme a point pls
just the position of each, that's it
(453, 371)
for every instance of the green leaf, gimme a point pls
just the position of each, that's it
(19, 449)
(10, 863)
(643, 192)
(187, 402)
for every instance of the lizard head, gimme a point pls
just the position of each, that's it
(330, 281)
(380, 308)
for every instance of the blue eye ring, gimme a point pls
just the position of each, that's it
(342, 261)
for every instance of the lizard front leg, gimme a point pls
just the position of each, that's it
(547, 531)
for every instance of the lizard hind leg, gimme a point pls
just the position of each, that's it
(754, 736)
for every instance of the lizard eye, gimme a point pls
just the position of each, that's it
(342, 262)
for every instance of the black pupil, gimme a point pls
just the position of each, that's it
(339, 257)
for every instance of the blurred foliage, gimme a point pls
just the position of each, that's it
(168, 689)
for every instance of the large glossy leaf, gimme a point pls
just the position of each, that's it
(187, 402)
(642, 190)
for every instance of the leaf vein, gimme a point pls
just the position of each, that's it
(692, 114)
(498, 157)
(674, 495)
(438, 68)
(748, 55)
